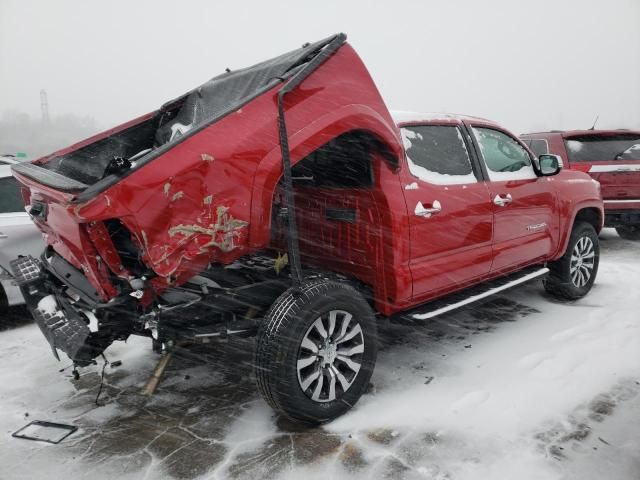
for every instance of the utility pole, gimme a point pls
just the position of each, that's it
(44, 107)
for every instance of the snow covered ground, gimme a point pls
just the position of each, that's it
(519, 387)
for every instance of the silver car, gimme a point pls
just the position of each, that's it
(18, 234)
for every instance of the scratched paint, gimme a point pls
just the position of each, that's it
(222, 233)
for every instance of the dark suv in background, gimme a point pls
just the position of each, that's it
(612, 157)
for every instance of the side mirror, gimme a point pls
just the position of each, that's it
(550, 164)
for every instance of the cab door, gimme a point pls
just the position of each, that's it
(449, 207)
(524, 205)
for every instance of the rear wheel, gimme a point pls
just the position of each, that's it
(629, 232)
(316, 350)
(4, 301)
(573, 275)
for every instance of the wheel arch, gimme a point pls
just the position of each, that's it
(352, 117)
(382, 136)
(591, 214)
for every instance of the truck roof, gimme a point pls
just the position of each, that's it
(404, 117)
(579, 133)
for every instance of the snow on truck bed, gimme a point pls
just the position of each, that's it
(522, 387)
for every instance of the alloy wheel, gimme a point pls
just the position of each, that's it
(330, 356)
(582, 262)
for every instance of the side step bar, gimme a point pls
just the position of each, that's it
(458, 300)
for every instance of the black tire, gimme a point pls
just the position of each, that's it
(561, 281)
(291, 320)
(629, 232)
(4, 301)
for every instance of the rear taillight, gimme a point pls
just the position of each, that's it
(38, 210)
(580, 167)
(26, 195)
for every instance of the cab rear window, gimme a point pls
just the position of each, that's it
(590, 148)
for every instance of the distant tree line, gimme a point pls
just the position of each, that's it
(21, 133)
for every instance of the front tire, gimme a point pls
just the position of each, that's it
(316, 350)
(573, 275)
(629, 232)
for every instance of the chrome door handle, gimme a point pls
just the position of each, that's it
(3, 235)
(503, 200)
(421, 211)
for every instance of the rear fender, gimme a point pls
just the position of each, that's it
(302, 143)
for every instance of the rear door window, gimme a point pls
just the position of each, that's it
(591, 148)
(438, 154)
(10, 198)
(504, 157)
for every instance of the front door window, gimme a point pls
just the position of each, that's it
(505, 158)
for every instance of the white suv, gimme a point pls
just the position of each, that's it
(18, 234)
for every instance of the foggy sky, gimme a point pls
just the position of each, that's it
(529, 65)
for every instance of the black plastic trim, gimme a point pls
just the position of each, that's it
(293, 244)
(48, 177)
(477, 160)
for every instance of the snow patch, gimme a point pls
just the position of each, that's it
(574, 145)
(48, 305)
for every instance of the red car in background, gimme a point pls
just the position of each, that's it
(611, 157)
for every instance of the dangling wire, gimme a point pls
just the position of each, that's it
(104, 366)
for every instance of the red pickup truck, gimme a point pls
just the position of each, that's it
(612, 157)
(284, 200)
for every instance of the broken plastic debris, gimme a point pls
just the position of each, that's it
(45, 431)
(281, 262)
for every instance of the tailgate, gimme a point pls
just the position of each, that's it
(612, 159)
(55, 215)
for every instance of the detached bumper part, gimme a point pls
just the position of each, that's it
(26, 270)
(63, 328)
